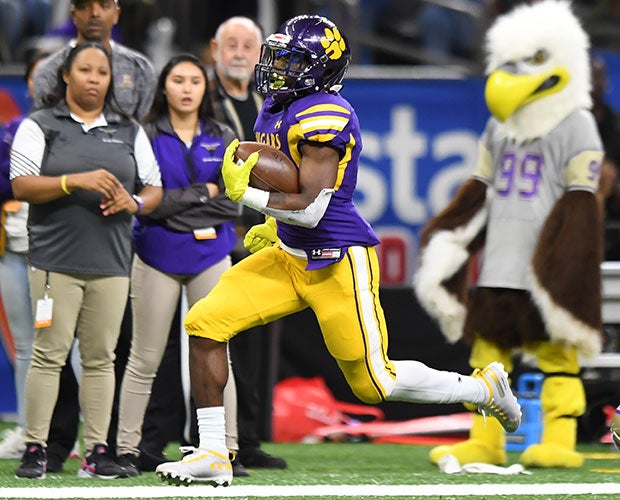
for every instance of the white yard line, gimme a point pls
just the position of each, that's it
(368, 490)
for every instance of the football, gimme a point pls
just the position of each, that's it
(274, 171)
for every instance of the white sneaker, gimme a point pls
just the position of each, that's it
(205, 466)
(12, 444)
(502, 403)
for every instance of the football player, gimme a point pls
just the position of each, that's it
(325, 257)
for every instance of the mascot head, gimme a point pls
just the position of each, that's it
(538, 68)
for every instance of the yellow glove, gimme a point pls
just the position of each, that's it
(261, 236)
(236, 177)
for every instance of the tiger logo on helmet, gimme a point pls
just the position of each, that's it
(307, 54)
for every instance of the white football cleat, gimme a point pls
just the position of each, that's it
(204, 466)
(502, 403)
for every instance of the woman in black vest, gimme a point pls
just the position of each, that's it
(85, 168)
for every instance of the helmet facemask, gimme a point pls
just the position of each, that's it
(281, 71)
(308, 54)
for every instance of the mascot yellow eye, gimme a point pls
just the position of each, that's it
(538, 58)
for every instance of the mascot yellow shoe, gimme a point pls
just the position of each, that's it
(562, 400)
(486, 444)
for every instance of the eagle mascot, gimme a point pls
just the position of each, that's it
(530, 209)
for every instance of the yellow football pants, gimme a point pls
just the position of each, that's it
(272, 283)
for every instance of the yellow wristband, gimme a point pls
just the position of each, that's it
(63, 184)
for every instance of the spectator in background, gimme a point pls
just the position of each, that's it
(137, 17)
(134, 74)
(235, 51)
(20, 19)
(601, 19)
(186, 242)
(447, 31)
(14, 277)
(83, 189)
(608, 124)
(134, 85)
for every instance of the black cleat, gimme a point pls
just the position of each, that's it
(255, 458)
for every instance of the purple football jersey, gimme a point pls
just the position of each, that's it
(330, 120)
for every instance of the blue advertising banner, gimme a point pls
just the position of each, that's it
(420, 141)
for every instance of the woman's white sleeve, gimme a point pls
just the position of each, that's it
(148, 168)
(27, 149)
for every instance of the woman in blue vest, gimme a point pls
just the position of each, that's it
(185, 242)
(85, 168)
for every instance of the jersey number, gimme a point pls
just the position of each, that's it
(523, 176)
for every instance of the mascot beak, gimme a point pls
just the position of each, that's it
(506, 92)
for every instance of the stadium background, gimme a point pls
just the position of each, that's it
(420, 136)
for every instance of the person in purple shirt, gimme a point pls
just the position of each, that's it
(185, 242)
(325, 259)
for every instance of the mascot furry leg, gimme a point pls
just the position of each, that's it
(487, 440)
(562, 400)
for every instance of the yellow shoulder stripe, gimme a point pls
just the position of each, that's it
(323, 123)
(323, 107)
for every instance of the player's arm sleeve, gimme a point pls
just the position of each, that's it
(308, 217)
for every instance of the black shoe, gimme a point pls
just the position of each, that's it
(33, 464)
(148, 460)
(238, 469)
(255, 458)
(54, 463)
(101, 463)
(130, 462)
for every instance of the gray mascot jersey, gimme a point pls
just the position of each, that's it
(526, 181)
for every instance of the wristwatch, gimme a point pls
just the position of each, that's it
(139, 201)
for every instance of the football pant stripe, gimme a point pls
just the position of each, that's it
(372, 323)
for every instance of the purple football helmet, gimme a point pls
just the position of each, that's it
(307, 54)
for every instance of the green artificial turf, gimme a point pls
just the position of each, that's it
(357, 463)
